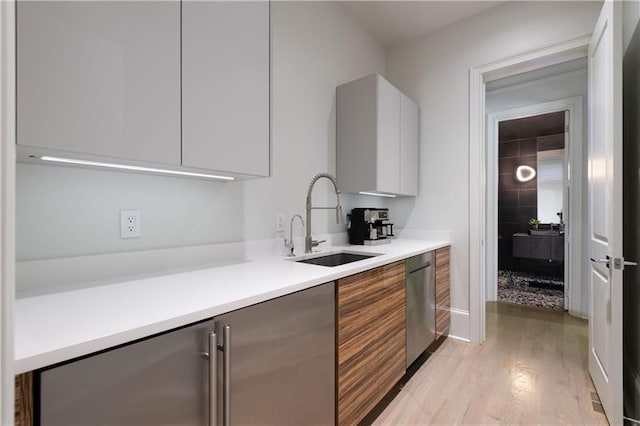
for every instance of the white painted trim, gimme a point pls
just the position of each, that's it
(529, 61)
(477, 184)
(535, 59)
(544, 80)
(7, 206)
(573, 281)
(459, 326)
(461, 339)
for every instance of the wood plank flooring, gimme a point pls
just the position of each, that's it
(532, 369)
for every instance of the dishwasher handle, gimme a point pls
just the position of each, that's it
(425, 266)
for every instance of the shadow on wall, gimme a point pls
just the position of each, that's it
(400, 210)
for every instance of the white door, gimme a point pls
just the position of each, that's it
(605, 209)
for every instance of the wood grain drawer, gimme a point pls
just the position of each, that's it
(392, 360)
(370, 339)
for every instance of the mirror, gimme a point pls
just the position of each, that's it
(550, 183)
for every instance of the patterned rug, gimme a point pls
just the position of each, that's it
(529, 289)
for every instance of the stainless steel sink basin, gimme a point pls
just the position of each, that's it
(337, 259)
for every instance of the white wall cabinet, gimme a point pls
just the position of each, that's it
(409, 159)
(225, 86)
(183, 85)
(100, 78)
(377, 138)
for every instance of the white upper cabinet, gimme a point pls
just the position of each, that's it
(377, 138)
(409, 158)
(100, 78)
(388, 146)
(225, 86)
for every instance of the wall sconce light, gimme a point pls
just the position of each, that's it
(525, 173)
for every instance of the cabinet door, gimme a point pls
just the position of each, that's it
(443, 298)
(283, 360)
(409, 158)
(371, 339)
(101, 78)
(225, 86)
(356, 133)
(158, 381)
(388, 126)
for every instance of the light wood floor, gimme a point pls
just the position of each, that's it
(532, 369)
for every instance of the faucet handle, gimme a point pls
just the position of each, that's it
(288, 246)
(316, 243)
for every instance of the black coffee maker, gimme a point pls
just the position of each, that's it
(369, 226)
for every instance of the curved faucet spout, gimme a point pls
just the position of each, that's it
(308, 241)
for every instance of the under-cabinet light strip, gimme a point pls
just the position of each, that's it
(376, 194)
(135, 168)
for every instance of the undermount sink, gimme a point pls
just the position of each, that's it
(337, 259)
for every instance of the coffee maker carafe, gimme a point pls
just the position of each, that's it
(369, 226)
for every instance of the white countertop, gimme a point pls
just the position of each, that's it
(61, 326)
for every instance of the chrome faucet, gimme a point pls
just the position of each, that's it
(308, 241)
(289, 244)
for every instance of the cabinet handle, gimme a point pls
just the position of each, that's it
(226, 375)
(213, 376)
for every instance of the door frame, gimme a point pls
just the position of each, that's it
(573, 234)
(7, 206)
(478, 76)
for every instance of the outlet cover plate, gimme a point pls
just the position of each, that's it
(130, 224)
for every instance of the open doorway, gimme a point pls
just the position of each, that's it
(483, 239)
(532, 177)
(540, 265)
(601, 215)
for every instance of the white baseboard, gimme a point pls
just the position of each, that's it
(461, 339)
(459, 329)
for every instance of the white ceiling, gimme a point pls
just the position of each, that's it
(392, 22)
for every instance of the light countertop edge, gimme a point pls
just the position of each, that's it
(57, 327)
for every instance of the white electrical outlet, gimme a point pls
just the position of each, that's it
(279, 222)
(130, 224)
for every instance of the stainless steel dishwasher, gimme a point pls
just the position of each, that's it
(421, 309)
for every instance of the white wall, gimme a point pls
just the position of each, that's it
(561, 86)
(434, 70)
(315, 47)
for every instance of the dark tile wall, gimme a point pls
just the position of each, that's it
(517, 201)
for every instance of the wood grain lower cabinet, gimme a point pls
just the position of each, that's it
(443, 297)
(371, 339)
(23, 400)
